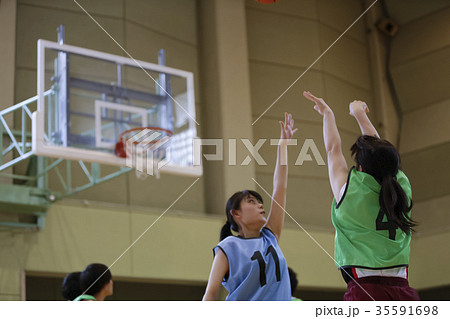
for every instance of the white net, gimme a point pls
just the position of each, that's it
(147, 150)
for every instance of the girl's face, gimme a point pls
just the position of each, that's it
(251, 212)
(109, 288)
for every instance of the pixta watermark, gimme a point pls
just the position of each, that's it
(149, 151)
(306, 154)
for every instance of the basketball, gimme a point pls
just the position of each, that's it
(267, 1)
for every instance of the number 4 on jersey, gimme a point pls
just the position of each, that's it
(389, 225)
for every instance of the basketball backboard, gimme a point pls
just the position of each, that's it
(95, 96)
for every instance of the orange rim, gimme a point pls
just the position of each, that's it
(119, 149)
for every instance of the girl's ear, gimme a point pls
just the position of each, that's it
(360, 168)
(235, 213)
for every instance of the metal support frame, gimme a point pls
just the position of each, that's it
(31, 194)
(37, 180)
(45, 165)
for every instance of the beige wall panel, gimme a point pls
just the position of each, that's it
(175, 18)
(281, 39)
(10, 283)
(144, 44)
(14, 297)
(162, 192)
(8, 24)
(303, 9)
(432, 215)
(269, 129)
(113, 191)
(313, 266)
(112, 8)
(406, 11)
(410, 40)
(26, 85)
(428, 172)
(80, 31)
(340, 15)
(339, 94)
(428, 74)
(179, 247)
(7, 52)
(426, 127)
(128, 190)
(430, 257)
(308, 200)
(347, 59)
(77, 236)
(268, 82)
(174, 248)
(384, 111)
(24, 88)
(226, 92)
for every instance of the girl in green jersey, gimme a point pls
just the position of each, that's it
(370, 211)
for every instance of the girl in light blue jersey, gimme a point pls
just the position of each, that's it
(251, 265)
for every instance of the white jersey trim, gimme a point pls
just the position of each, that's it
(401, 272)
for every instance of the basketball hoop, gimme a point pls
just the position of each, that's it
(135, 145)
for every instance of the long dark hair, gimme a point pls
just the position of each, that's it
(94, 278)
(71, 286)
(380, 159)
(234, 203)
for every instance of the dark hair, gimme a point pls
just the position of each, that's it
(234, 203)
(95, 275)
(71, 286)
(293, 280)
(380, 159)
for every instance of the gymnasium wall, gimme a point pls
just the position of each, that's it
(7, 58)
(176, 250)
(420, 68)
(281, 41)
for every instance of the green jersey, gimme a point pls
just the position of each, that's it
(364, 237)
(85, 297)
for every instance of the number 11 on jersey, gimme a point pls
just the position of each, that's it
(262, 265)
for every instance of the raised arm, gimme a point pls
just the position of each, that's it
(218, 271)
(359, 110)
(275, 220)
(337, 166)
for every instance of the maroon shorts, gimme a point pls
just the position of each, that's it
(380, 289)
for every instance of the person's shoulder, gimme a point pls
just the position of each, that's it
(402, 176)
(229, 239)
(404, 182)
(85, 298)
(267, 232)
(225, 243)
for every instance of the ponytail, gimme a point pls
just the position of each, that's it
(225, 231)
(381, 159)
(71, 286)
(394, 204)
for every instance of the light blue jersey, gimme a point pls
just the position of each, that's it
(257, 268)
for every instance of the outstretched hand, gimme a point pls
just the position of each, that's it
(358, 106)
(287, 127)
(321, 107)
